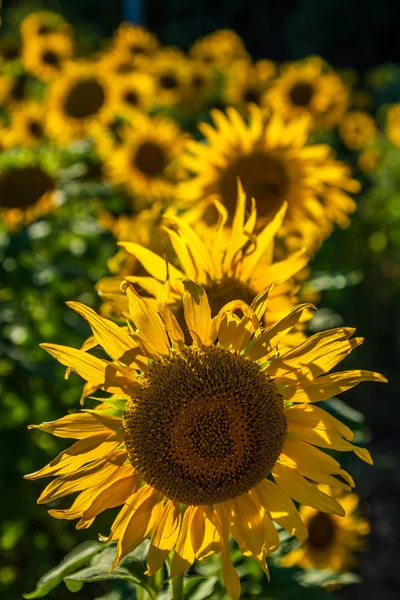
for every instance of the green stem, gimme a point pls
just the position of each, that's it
(177, 587)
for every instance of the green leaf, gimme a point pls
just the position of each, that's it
(79, 557)
(199, 588)
(75, 581)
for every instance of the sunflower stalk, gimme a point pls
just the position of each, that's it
(177, 587)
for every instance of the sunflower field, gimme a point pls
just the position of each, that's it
(199, 263)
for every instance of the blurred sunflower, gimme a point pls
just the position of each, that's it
(202, 427)
(28, 124)
(119, 61)
(171, 76)
(135, 41)
(229, 262)
(146, 160)
(247, 83)
(305, 89)
(392, 126)
(15, 88)
(275, 165)
(370, 159)
(199, 85)
(357, 129)
(220, 48)
(78, 98)
(332, 541)
(133, 93)
(27, 189)
(42, 23)
(46, 56)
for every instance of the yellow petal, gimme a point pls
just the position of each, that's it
(184, 554)
(197, 312)
(117, 492)
(148, 322)
(164, 536)
(171, 324)
(327, 386)
(96, 371)
(229, 574)
(303, 491)
(204, 534)
(154, 264)
(118, 344)
(281, 508)
(145, 513)
(80, 425)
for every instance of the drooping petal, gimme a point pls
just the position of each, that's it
(80, 425)
(229, 574)
(184, 554)
(164, 536)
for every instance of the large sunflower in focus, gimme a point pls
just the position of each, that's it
(275, 165)
(28, 124)
(27, 189)
(202, 441)
(144, 162)
(306, 89)
(46, 56)
(80, 97)
(332, 541)
(229, 262)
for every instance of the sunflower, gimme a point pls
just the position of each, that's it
(28, 124)
(332, 540)
(370, 159)
(77, 99)
(119, 61)
(357, 129)
(191, 432)
(144, 161)
(392, 127)
(306, 89)
(275, 165)
(220, 48)
(132, 93)
(229, 262)
(42, 23)
(171, 76)
(200, 84)
(135, 41)
(27, 189)
(15, 88)
(46, 56)
(247, 83)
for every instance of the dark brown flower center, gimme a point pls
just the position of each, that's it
(132, 98)
(205, 425)
(321, 531)
(263, 176)
(301, 93)
(51, 58)
(21, 188)
(36, 129)
(84, 99)
(151, 159)
(168, 82)
(252, 95)
(18, 91)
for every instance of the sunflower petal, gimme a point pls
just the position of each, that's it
(164, 536)
(197, 312)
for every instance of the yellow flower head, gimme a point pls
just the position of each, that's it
(275, 165)
(229, 262)
(305, 89)
(199, 85)
(393, 124)
(357, 129)
(42, 23)
(332, 540)
(247, 83)
(27, 190)
(170, 70)
(133, 93)
(144, 161)
(135, 41)
(80, 97)
(220, 48)
(46, 56)
(15, 89)
(191, 432)
(28, 124)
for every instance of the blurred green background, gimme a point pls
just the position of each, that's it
(61, 257)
